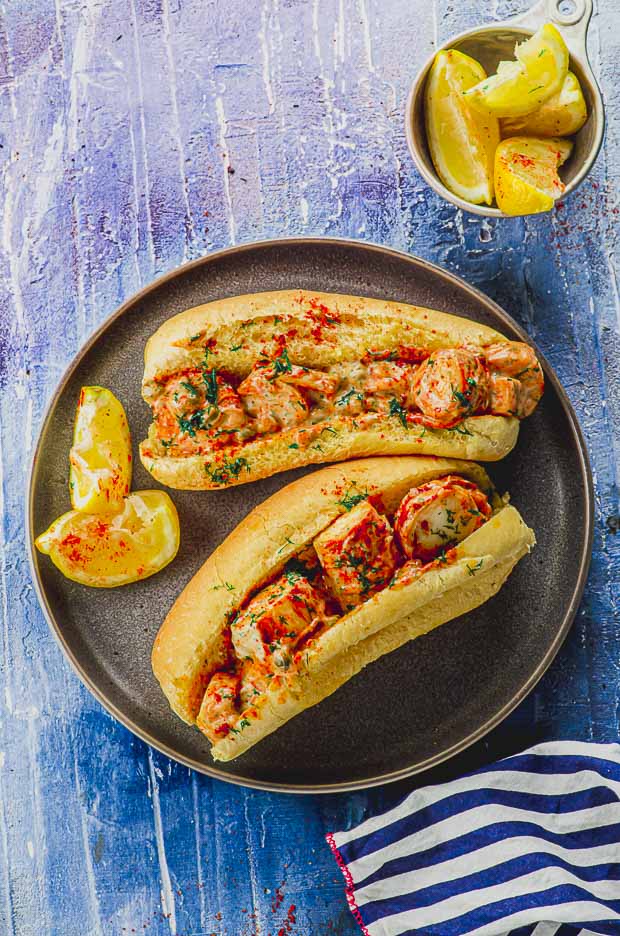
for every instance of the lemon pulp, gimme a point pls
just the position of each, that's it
(104, 551)
(100, 457)
(526, 174)
(461, 142)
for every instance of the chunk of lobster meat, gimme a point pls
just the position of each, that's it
(229, 412)
(309, 379)
(185, 393)
(389, 377)
(255, 680)
(504, 395)
(439, 514)
(219, 708)
(517, 360)
(358, 555)
(351, 382)
(451, 385)
(274, 621)
(193, 405)
(271, 403)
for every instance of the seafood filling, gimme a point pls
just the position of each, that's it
(202, 411)
(359, 554)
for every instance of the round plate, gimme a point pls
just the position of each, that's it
(414, 707)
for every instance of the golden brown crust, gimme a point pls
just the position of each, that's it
(356, 319)
(320, 329)
(189, 646)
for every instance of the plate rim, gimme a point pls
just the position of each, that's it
(369, 782)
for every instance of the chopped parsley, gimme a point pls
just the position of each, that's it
(346, 398)
(210, 382)
(194, 338)
(397, 409)
(461, 398)
(294, 445)
(287, 541)
(281, 364)
(243, 723)
(191, 389)
(462, 430)
(230, 469)
(192, 424)
(351, 499)
(471, 570)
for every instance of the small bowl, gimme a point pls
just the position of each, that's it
(489, 45)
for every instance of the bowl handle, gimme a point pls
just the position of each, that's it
(572, 16)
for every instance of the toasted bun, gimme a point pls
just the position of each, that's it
(190, 643)
(321, 329)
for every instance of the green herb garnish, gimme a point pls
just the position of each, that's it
(210, 382)
(192, 424)
(346, 397)
(351, 500)
(191, 389)
(462, 430)
(397, 409)
(230, 469)
(461, 398)
(281, 364)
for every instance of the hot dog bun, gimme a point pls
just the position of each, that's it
(320, 329)
(191, 644)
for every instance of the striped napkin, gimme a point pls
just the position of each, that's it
(529, 845)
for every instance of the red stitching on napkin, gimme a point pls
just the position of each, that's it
(350, 888)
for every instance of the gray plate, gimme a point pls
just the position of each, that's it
(409, 710)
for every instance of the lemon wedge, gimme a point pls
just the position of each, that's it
(561, 115)
(520, 87)
(461, 141)
(110, 550)
(100, 457)
(526, 174)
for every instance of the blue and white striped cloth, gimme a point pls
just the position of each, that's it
(529, 845)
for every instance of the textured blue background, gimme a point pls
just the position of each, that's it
(134, 135)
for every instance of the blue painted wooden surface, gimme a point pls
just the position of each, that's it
(136, 134)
